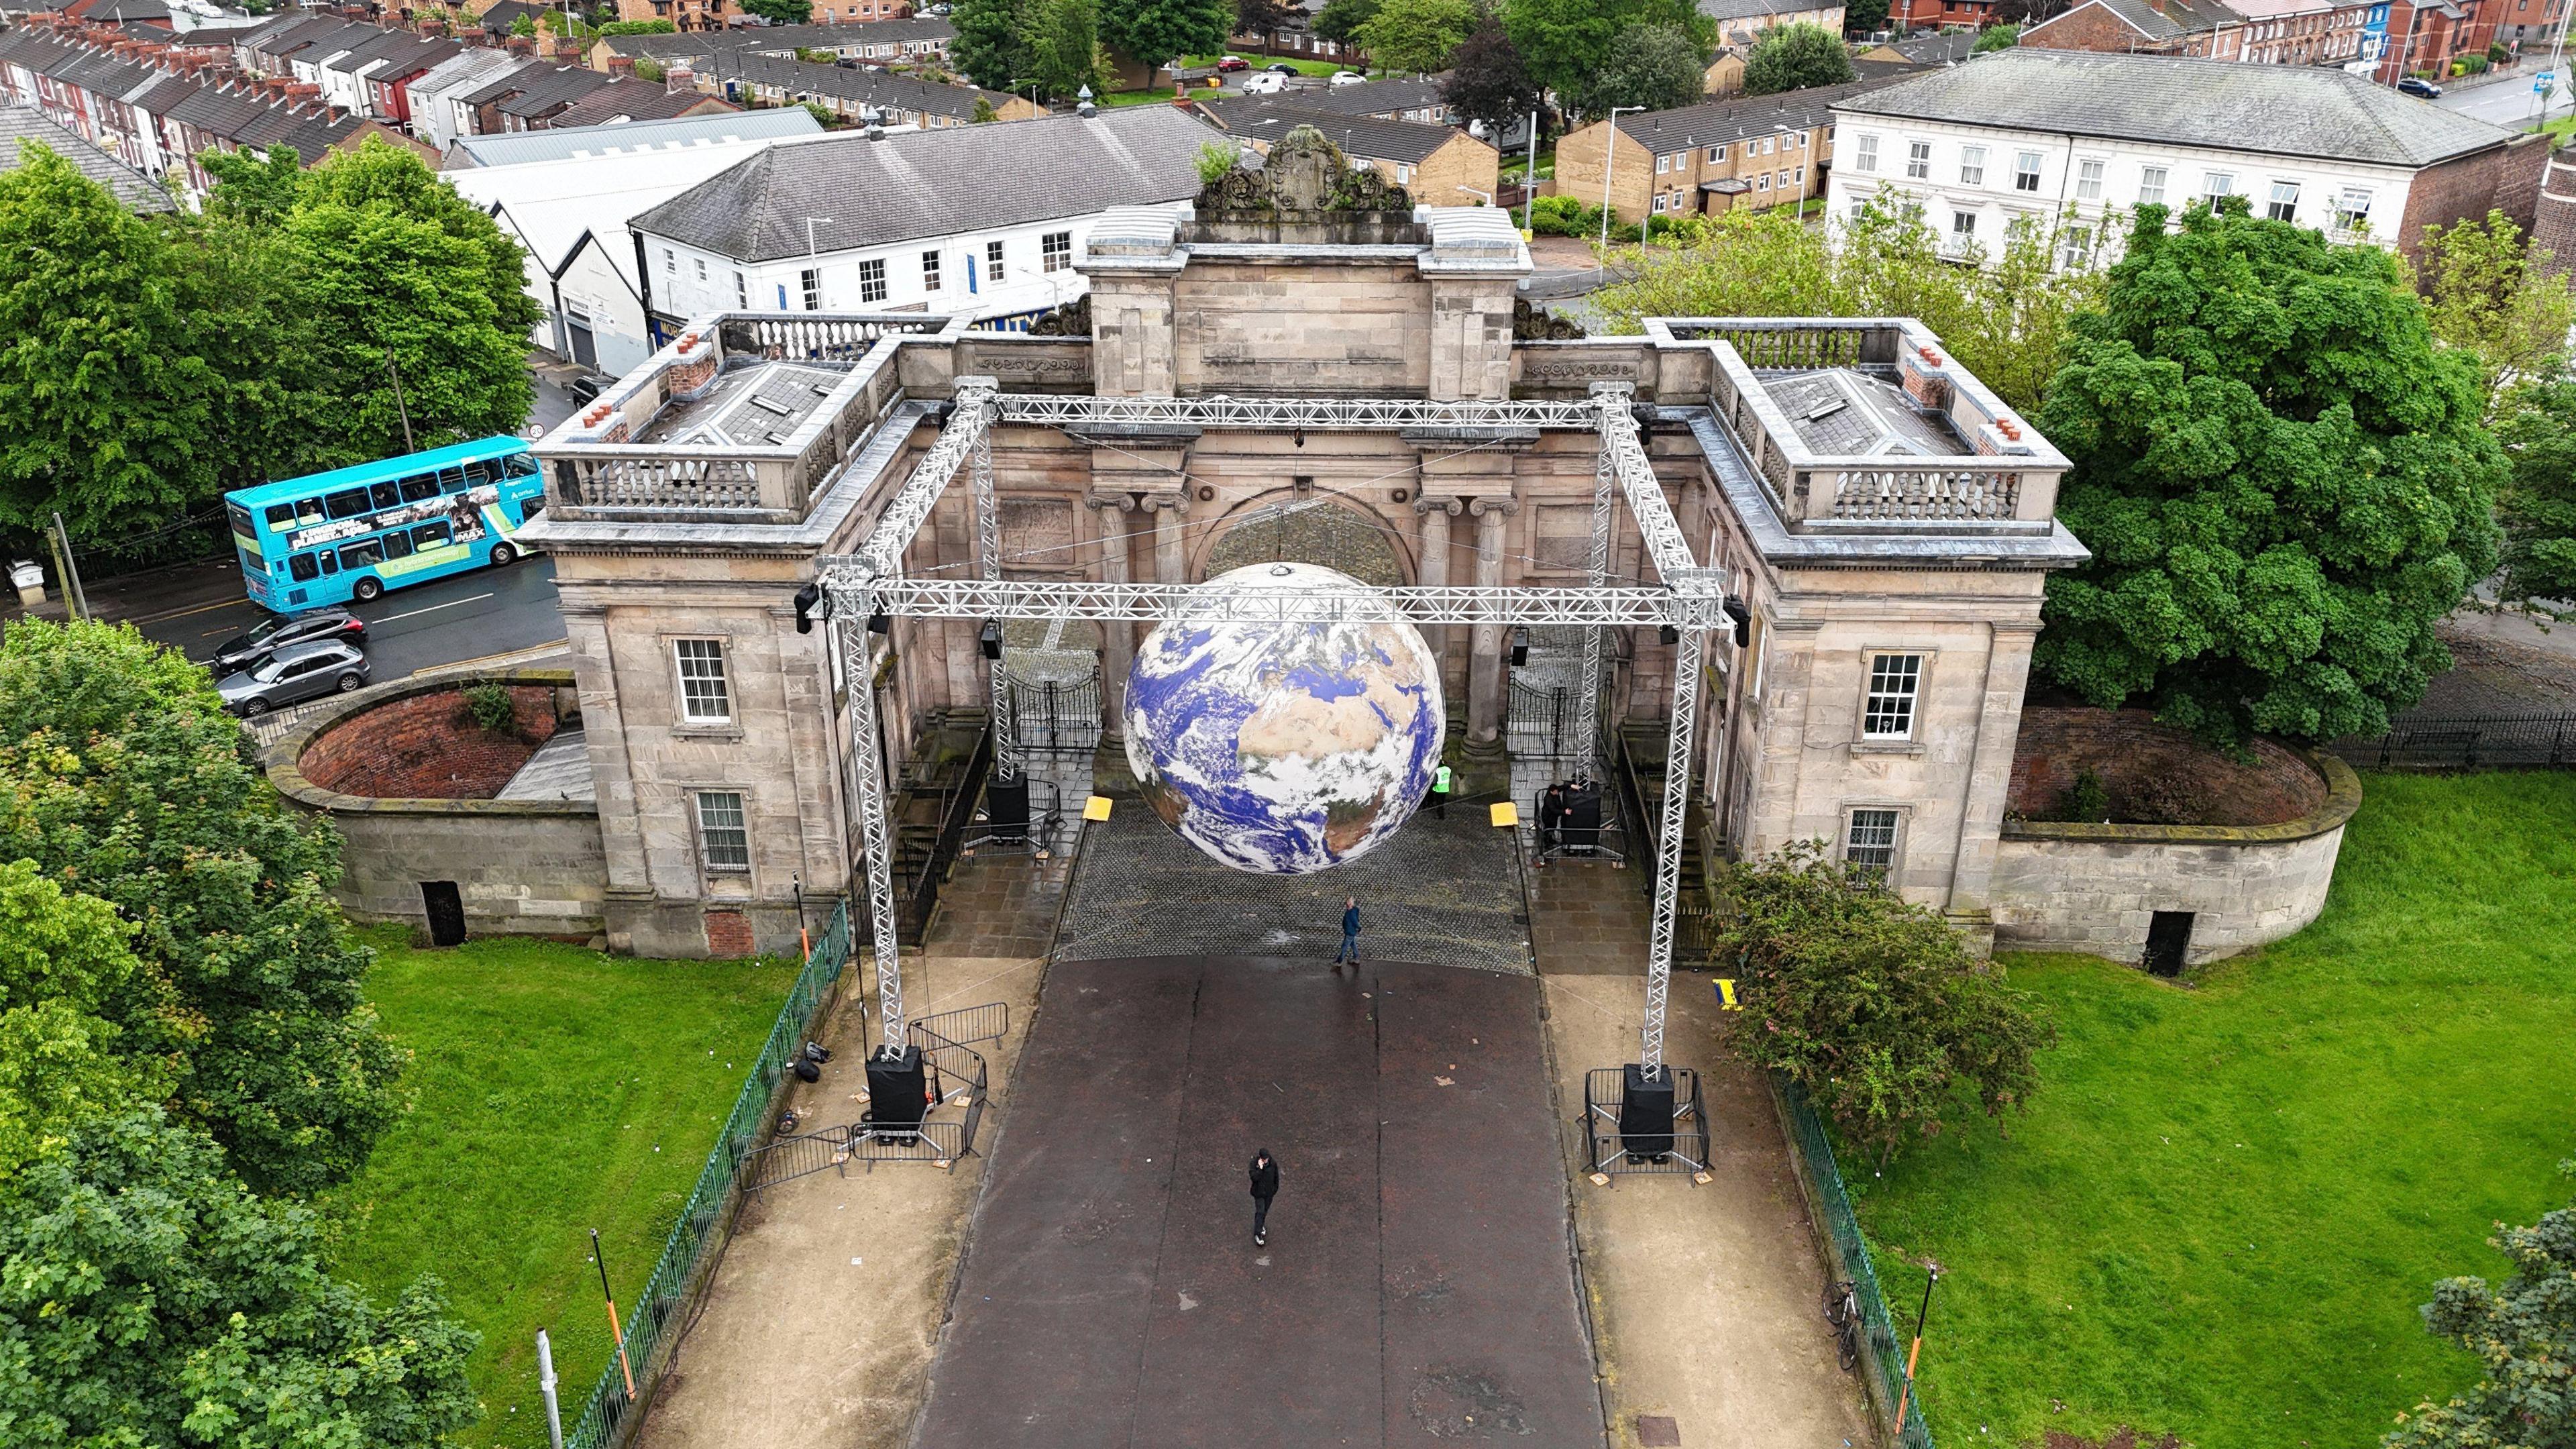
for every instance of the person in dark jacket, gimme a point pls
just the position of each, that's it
(1265, 1186)
(1350, 934)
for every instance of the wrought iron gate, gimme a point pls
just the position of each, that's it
(1053, 716)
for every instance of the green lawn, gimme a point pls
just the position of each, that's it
(558, 1090)
(1264, 62)
(2229, 1201)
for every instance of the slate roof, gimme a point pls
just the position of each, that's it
(122, 181)
(786, 38)
(627, 99)
(499, 19)
(1937, 49)
(867, 87)
(1716, 123)
(1266, 119)
(2275, 109)
(1374, 98)
(565, 143)
(506, 83)
(911, 184)
(550, 88)
(1750, 9)
(403, 54)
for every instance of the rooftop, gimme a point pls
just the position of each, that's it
(914, 184)
(853, 83)
(1712, 123)
(1374, 98)
(122, 181)
(1265, 119)
(1850, 412)
(2275, 109)
(627, 138)
(757, 405)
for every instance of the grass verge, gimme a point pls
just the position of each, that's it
(2229, 1200)
(557, 1090)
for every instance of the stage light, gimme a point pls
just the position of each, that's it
(1737, 610)
(880, 622)
(811, 604)
(1669, 633)
(1520, 645)
(991, 638)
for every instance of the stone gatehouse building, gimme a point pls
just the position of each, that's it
(1883, 521)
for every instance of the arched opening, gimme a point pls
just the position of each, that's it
(1317, 529)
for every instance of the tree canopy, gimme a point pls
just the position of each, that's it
(1417, 36)
(2284, 484)
(1160, 31)
(781, 12)
(1340, 20)
(1793, 57)
(1996, 37)
(1656, 67)
(1873, 1005)
(1864, 16)
(2523, 1333)
(2538, 504)
(2492, 301)
(992, 45)
(1065, 52)
(1487, 81)
(1564, 42)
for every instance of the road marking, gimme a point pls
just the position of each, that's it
(183, 613)
(432, 609)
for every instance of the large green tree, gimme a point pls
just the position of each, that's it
(105, 402)
(149, 1300)
(2284, 483)
(2523, 1332)
(1340, 20)
(1487, 81)
(66, 982)
(1656, 67)
(1793, 57)
(780, 12)
(2493, 300)
(993, 45)
(1158, 32)
(120, 772)
(1874, 1006)
(1067, 49)
(1417, 36)
(1565, 41)
(2538, 504)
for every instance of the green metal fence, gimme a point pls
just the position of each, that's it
(708, 1217)
(1882, 1351)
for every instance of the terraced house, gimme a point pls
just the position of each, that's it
(1703, 160)
(1440, 165)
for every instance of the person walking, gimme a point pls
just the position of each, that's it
(1350, 935)
(1265, 1186)
(1440, 792)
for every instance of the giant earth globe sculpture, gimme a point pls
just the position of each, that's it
(1285, 748)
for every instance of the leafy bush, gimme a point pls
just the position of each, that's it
(491, 708)
(1875, 1006)
(2469, 65)
(1216, 162)
(2085, 800)
(639, 27)
(2520, 1331)
(2499, 53)
(2166, 799)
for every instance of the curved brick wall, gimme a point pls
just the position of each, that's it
(2126, 747)
(421, 747)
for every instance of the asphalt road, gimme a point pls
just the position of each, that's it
(2508, 103)
(427, 626)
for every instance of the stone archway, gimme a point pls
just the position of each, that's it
(1316, 529)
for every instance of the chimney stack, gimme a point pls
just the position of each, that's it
(621, 65)
(521, 45)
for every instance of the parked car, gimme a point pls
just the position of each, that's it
(1233, 63)
(1280, 67)
(281, 630)
(294, 674)
(585, 389)
(1349, 78)
(1264, 84)
(2415, 85)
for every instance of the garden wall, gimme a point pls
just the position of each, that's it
(2097, 887)
(527, 867)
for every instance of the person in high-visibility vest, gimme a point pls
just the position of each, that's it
(1440, 792)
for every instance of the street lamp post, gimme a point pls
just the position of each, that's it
(1609, 164)
(810, 223)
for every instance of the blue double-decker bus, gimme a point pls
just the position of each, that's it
(353, 533)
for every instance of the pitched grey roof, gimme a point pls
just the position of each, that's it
(878, 88)
(564, 143)
(911, 184)
(1375, 98)
(786, 39)
(1712, 123)
(1748, 9)
(2276, 109)
(1264, 119)
(122, 181)
(1938, 49)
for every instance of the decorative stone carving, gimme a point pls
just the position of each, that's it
(1073, 319)
(1304, 175)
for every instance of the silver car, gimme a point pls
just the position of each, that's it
(293, 674)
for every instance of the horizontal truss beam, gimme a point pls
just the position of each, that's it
(855, 594)
(1319, 413)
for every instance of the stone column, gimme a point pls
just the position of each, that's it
(1436, 513)
(1171, 544)
(1981, 812)
(1117, 636)
(1485, 646)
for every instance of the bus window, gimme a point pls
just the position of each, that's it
(431, 535)
(361, 554)
(348, 503)
(280, 514)
(309, 510)
(330, 563)
(397, 544)
(456, 480)
(302, 567)
(521, 465)
(419, 486)
(482, 471)
(386, 494)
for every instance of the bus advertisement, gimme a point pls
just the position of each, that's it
(352, 533)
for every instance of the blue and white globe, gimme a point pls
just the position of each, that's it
(1285, 748)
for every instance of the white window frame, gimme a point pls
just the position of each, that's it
(1892, 697)
(996, 262)
(1864, 152)
(1963, 225)
(690, 659)
(1663, 164)
(2151, 186)
(741, 291)
(2349, 217)
(1716, 155)
(2215, 184)
(1055, 251)
(930, 281)
(1972, 166)
(2026, 170)
(1918, 160)
(2280, 207)
(872, 280)
(702, 268)
(708, 808)
(2088, 180)
(1880, 818)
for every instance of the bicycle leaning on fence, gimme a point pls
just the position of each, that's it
(1842, 1310)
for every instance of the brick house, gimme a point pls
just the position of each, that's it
(1740, 23)
(2075, 141)
(2265, 32)
(918, 40)
(1440, 165)
(1749, 152)
(852, 93)
(721, 14)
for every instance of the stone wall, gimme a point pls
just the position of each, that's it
(2096, 888)
(2126, 748)
(424, 747)
(522, 867)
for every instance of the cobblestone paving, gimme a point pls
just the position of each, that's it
(1441, 892)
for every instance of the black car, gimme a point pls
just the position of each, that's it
(1281, 67)
(292, 675)
(2415, 85)
(278, 631)
(585, 390)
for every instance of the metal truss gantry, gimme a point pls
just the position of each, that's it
(870, 582)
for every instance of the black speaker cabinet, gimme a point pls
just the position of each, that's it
(1006, 806)
(1581, 827)
(896, 1088)
(1646, 1112)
